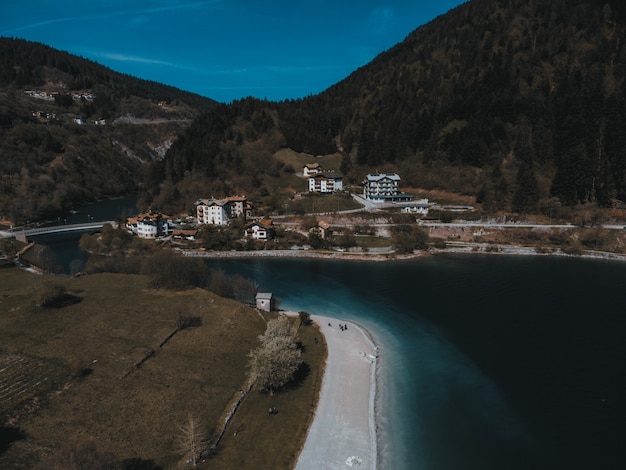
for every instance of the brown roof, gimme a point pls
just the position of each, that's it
(236, 198)
(265, 223)
(154, 216)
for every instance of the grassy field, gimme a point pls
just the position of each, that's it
(75, 367)
(324, 203)
(297, 160)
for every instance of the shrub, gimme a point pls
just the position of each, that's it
(50, 294)
(305, 318)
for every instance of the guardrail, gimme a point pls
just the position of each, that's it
(64, 228)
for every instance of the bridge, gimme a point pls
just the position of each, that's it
(22, 235)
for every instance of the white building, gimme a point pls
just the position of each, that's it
(212, 211)
(221, 211)
(383, 187)
(149, 225)
(421, 207)
(325, 183)
(264, 301)
(239, 206)
(259, 230)
(311, 169)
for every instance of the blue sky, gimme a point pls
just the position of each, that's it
(224, 49)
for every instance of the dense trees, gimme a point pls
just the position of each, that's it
(542, 82)
(408, 238)
(522, 102)
(49, 162)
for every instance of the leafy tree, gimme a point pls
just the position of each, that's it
(407, 238)
(316, 241)
(274, 363)
(346, 240)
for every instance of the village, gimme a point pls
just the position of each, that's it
(380, 191)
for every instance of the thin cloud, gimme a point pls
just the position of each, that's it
(115, 14)
(139, 60)
(39, 24)
(179, 6)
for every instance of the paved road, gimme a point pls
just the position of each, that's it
(56, 229)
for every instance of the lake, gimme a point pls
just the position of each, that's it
(488, 362)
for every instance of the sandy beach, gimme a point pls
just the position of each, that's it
(343, 432)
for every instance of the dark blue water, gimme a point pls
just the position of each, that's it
(488, 362)
(64, 246)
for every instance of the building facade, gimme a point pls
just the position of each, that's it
(221, 211)
(383, 187)
(149, 225)
(311, 169)
(259, 230)
(325, 183)
(265, 301)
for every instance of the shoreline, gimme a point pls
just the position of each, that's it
(346, 422)
(462, 248)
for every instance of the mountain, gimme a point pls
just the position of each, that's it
(72, 130)
(520, 104)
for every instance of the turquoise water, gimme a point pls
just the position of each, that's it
(487, 362)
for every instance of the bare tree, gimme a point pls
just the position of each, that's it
(274, 363)
(191, 439)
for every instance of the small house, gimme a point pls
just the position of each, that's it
(420, 207)
(186, 234)
(259, 230)
(264, 301)
(322, 229)
(311, 169)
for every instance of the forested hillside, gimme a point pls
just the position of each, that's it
(72, 130)
(518, 103)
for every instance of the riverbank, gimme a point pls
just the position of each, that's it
(520, 250)
(452, 248)
(339, 255)
(343, 431)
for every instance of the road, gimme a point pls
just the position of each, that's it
(56, 229)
